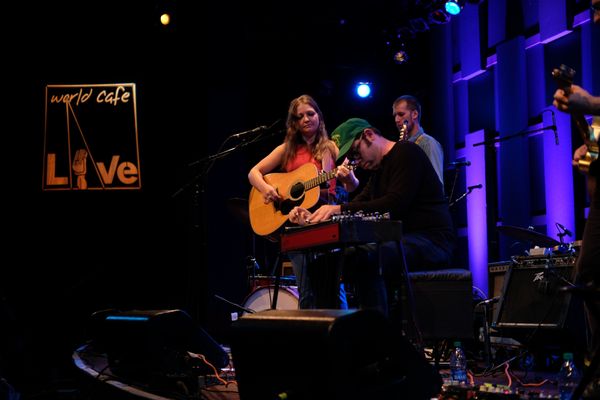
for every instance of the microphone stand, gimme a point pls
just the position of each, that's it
(197, 282)
(462, 196)
(208, 161)
(526, 132)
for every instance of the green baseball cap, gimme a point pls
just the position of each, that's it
(347, 133)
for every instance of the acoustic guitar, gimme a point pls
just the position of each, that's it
(296, 188)
(564, 78)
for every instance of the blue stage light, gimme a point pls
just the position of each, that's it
(363, 89)
(453, 7)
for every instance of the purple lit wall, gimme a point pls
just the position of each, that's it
(502, 84)
(558, 176)
(477, 210)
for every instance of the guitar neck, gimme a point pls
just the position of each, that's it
(322, 178)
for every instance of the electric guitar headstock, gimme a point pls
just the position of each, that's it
(564, 76)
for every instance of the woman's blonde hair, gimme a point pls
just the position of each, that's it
(293, 137)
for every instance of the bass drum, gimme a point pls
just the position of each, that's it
(261, 298)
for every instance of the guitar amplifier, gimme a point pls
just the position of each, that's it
(532, 295)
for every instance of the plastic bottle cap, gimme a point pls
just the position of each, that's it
(457, 344)
(567, 356)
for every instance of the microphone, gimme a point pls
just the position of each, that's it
(255, 130)
(457, 164)
(479, 186)
(554, 128)
(565, 230)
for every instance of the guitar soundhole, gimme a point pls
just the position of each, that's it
(297, 191)
(286, 206)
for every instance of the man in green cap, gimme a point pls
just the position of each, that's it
(404, 183)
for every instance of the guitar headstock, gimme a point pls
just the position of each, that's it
(563, 76)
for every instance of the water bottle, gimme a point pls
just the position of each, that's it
(458, 364)
(568, 377)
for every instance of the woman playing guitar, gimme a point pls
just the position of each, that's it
(305, 150)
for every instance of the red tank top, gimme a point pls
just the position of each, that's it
(303, 156)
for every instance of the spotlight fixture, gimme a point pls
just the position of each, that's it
(453, 7)
(166, 13)
(363, 89)
(439, 16)
(400, 57)
(165, 19)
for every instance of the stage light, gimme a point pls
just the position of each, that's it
(165, 12)
(439, 16)
(418, 25)
(453, 7)
(400, 57)
(363, 89)
(165, 19)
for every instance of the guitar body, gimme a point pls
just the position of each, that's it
(267, 218)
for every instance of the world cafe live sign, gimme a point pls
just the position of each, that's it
(91, 138)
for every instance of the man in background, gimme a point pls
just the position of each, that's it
(407, 115)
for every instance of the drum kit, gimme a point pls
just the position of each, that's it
(262, 287)
(261, 296)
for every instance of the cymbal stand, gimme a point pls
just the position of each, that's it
(252, 269)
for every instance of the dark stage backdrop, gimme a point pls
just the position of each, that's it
(212, 74)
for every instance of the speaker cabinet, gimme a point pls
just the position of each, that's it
(152, 343)
(327, 354)
(531, 295)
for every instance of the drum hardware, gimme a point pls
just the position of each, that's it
(259, 281)
(248, 310)
(252, 269)
(528, 235)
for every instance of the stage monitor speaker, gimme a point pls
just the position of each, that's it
(531, 295)
(327, 354)
(143, 343)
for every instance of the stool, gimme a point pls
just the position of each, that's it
(443, 305)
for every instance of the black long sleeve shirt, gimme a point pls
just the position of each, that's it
(407, 186)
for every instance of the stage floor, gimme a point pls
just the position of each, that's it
(499, 382)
